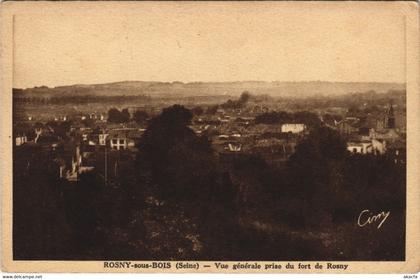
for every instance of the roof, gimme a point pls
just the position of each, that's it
(354, 144)
(125, 133)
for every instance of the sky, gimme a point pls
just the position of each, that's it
(208, 42)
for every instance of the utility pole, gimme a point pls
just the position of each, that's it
(106, 166)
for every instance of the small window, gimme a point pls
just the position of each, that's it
(121, 141)
(114, 141)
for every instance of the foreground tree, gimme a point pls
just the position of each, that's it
(178, 158)
(316, 173)
(185, 180)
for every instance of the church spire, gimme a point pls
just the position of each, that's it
(390, 118)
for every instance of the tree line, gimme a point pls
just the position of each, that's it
(123, 116)
(85, 99)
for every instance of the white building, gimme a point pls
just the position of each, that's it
(363, 147)
(367, 146)
(77, 167)
(102, 138)
(234, 147)
(118, 143)
(379, 146)
(354, 147)
(122, 139)
(21, 140)
(293, 128)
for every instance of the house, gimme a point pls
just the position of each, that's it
(365, 145)
(118, 142)
(361, 147)
(77, 167)
(354, 147)
(227, 143)
(234, 147)
(102, 138)
(20, 139)
(293, 128)
(379, 146)
(122, 139)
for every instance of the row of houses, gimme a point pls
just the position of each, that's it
(92, 116)
(120, 138)
(275, 143)
(382, 138)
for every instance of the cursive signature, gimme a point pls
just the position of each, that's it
(366, 217)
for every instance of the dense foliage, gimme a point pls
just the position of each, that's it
(117, 116)
(179, 200)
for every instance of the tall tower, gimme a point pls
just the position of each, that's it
(390, 118)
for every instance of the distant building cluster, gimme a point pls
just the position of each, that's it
(367, 134)
(79, 146)
(83, 143)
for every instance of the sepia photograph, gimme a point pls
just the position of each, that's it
(209, 131)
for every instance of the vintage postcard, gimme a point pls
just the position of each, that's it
(212, 137)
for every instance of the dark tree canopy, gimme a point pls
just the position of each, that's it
(323, 144)
(236, 104)
(316, 170)
(140, 116)
(61, 129)
(117, 116)
(114, 115)
(125, 115)
(166, 131)
(245, 96)
(88, 122)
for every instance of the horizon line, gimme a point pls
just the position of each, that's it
(192, 82)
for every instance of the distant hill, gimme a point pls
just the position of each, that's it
(166, 89)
